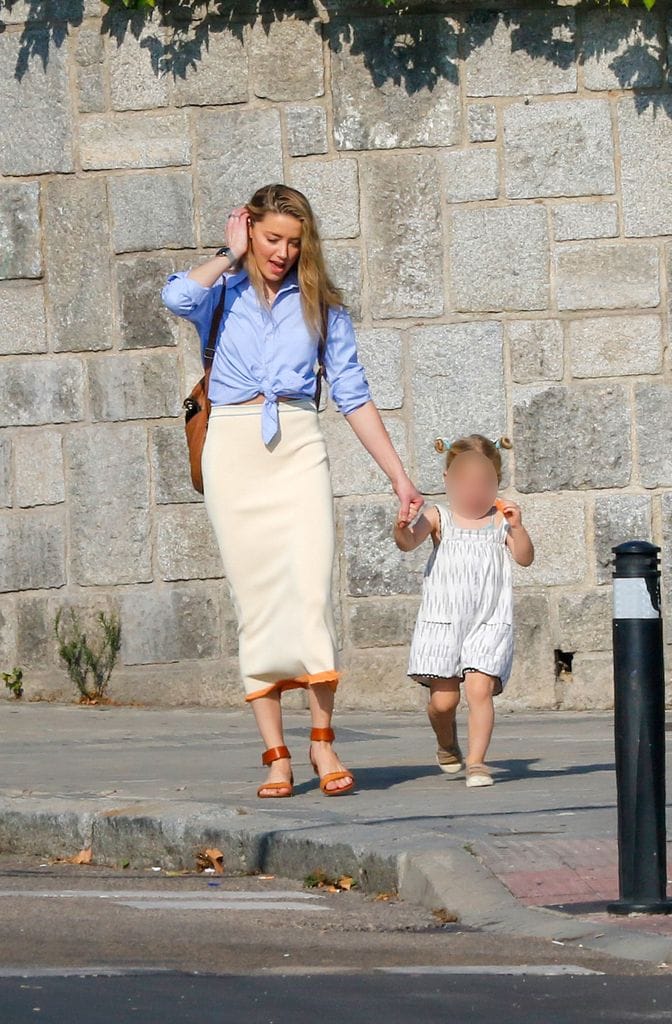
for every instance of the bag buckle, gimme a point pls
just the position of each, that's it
(191, 406)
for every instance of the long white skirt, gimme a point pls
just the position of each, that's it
(271, 508)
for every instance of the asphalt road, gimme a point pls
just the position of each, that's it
(358, 999)
(102, 946)
(84, 916)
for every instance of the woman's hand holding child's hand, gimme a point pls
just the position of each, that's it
(410, 501)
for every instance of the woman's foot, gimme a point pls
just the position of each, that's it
(334, 777)
(280, 781)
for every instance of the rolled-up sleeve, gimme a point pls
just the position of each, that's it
(187, 298)
(345, 374)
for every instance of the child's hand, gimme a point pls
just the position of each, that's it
(511, 512)
(410, 501)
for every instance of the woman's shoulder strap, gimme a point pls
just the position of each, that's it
(209, 352)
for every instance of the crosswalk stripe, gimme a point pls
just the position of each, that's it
(78, 972)
(545, 970)
(153, 894)
(190, 899)
(219, 904)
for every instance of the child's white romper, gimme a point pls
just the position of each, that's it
(465, 619)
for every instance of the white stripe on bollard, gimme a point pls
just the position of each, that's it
(632, 599)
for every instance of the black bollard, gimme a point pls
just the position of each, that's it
(639, 714)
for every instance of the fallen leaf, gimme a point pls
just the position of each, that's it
(84, 856)
(445, 916)
(320, 880)
(210, 860)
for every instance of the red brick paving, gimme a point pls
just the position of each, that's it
(545, 871)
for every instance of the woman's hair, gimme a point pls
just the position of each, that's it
(318, 292)
(474, 443)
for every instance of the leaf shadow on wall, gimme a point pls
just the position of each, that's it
(411, 48)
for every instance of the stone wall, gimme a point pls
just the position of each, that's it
(493, 192)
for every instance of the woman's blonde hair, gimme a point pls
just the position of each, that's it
(318, 292)
(474, 443)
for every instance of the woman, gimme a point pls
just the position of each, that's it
(265, 469)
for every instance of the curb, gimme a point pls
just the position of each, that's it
(451, 879)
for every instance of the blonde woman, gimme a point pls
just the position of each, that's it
(265, 469)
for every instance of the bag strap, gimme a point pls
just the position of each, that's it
(321, 348)
(209, 353)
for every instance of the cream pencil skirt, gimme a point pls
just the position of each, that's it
(272, 512)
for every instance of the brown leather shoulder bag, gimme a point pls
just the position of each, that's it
(197, 404)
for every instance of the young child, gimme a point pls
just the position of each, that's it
(464, 629)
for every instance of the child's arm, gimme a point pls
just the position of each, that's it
(412, 536)
(518, 539)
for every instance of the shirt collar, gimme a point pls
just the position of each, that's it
(290, 281)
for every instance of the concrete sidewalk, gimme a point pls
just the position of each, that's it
(533, 855)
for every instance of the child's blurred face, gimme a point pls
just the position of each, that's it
(471, 484)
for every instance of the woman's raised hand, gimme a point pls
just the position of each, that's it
(237, 231)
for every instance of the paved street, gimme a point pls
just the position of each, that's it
(65, 916)
(531, 860)
(106, 946)
(359, 999)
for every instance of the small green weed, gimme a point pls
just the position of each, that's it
(14, 682)
(89, 665)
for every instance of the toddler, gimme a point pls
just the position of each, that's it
(464, 629)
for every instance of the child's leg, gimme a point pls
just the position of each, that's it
(479, 689)
(443, 702)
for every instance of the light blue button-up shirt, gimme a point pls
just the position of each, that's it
(270, 352)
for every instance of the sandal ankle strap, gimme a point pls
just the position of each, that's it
(322, 735)
(274, 754)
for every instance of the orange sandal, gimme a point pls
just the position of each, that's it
(328, 736)
(267, 758)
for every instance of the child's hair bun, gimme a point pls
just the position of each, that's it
(442, 445)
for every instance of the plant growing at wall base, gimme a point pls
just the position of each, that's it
(14, 681)
(89, 665)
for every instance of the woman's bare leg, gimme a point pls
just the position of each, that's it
(321, 701)
(268, 713)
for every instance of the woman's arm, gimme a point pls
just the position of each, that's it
(350, 390)
(370, 429)
(236, 237)
(206, 274)
(409, 537)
